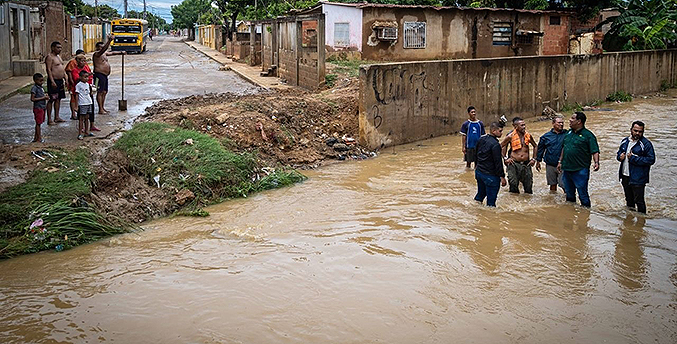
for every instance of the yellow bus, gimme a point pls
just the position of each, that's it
(130, 35)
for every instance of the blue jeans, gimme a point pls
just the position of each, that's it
(487, 186)
(577, 181)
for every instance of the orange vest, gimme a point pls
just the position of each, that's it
(515, 142)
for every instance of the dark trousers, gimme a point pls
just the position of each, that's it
(487, 186)
(577, 181)
(634, 194)
(520, 172)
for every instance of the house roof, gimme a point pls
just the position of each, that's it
(348, 4)
(444, 8)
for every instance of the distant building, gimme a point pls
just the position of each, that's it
(406, 33)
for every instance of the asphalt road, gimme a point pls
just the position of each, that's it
(168, 69)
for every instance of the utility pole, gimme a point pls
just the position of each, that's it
(144, 9)
(96, 9)
(125, 8)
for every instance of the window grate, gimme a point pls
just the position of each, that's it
(414, 35)
(341, 34)
(555, 20)
(502, 34)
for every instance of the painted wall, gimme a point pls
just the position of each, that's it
(450, 33)
(15, 36)
(335, 13)
(5, 56)
(406, 102)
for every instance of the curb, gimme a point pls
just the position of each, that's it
(242, 75)
(10, 94)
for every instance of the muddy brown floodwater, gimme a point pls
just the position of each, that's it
(389, 250)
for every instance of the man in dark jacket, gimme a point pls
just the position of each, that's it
(636, 155)
(549, 149)
(489, 165)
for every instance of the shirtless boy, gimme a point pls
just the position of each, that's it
(519, 164)
(56, 83)
(102, 71)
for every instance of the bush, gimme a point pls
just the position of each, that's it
(619, 96)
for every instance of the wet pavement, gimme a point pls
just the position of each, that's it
(387, 250)
(168, 69)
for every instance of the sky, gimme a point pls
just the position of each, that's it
(160, 8)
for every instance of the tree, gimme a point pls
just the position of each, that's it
(104, 11)
(648, 24)
(187, 13)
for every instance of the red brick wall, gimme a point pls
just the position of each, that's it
(556, 37)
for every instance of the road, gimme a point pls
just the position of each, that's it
(168, 69)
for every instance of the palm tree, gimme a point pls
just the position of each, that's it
(642, 25)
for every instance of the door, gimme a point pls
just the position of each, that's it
(14, 33)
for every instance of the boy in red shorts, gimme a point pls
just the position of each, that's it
(39, 100)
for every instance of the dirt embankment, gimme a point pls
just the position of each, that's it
(289, 127)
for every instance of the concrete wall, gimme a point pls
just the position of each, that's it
(15, 36)
(343, 13)
(5, 55)
(406, 102)
(450, 33)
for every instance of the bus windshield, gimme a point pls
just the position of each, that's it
(127, 28)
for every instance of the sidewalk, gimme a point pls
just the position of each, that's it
(11, 86)
(251, 74)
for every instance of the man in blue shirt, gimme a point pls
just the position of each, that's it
(636, 155)
(550, 147)
(471, 131)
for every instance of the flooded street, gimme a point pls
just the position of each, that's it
(388, 250)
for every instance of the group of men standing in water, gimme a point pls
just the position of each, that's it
(567, 154)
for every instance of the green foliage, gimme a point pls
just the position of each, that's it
(186, 13)
(665, 85)
(54, 194)
(104, 11)
(642, 25)
(619, 96)
(205, 167)
(536, 4)
(329, 80)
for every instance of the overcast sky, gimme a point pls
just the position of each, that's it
(160, 8)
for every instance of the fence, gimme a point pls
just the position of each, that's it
(295, 45)
(406, 102)
(210, 35)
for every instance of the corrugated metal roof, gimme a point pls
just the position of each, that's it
(445, 8)
(349, 4)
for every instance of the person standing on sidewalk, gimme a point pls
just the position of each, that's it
(471, 131)
(549, 149)
(636, 155)
(489, 165)
(578, 149)
(39, 100)
(102, 71)
(69, 68)
(56, 82)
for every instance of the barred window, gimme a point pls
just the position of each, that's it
(341, 34)
(414, 35)
(555, 20)
(502, 34)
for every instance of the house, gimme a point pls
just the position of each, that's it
(15, 37)
(409, 32)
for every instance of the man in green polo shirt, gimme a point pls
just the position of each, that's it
(579, 148)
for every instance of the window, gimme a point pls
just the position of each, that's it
(525, 39)
(126, 28)
(341, 34)
(502, 34)
(2, 14)
(22, 20)
(555, 20)
(414, 35)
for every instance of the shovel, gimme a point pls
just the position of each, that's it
(122, 103)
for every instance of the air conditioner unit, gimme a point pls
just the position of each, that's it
(387, 33)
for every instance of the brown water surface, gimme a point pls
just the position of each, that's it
(389, 250)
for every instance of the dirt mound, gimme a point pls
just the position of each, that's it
(292, 127)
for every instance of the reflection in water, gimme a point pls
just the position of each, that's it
(392, 250)
(629, 261)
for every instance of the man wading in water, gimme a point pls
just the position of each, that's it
(519, 164)
(102, 71)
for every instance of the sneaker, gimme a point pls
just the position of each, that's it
(93, 128)
(90, 134)
(80, 137)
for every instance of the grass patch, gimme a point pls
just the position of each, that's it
(207, 168)
(48, 210)
(665, 85)
(330, 79)
(619, 96)
(27, 89)
(349, 68)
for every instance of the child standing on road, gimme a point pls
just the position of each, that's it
(39, 100)
(83, 91)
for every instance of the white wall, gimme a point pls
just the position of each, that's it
(337, 13)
